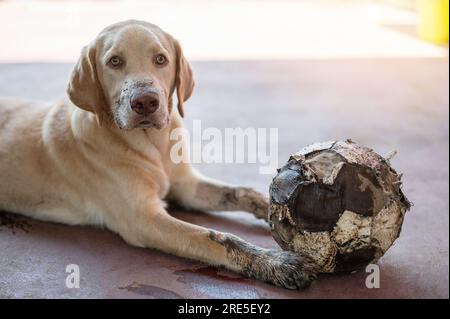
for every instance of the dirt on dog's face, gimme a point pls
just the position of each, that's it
(137, 71)
(128, 75)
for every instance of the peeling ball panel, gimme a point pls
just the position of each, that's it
(317, 206)
(355, 260)
(285, 184)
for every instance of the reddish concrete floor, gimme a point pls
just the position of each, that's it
(397, 104)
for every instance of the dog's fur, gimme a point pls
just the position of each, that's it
(91, 160)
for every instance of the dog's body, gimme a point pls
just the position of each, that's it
(103, 158)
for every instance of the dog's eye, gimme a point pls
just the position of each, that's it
(115, 62)
(160, 59)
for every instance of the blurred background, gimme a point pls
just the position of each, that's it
(40, 31)
(375, 71)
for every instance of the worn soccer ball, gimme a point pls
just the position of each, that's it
(338, 203)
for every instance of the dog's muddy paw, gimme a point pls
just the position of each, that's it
(293, 271)
(281, 268)
(255, 202)
(14, 222)
(288, 270)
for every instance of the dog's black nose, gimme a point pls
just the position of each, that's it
(145, 103)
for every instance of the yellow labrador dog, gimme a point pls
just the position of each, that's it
(103, 158)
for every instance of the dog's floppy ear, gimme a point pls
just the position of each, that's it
(84, 88)
(184, 79)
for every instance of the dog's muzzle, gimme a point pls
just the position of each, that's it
(141, 105)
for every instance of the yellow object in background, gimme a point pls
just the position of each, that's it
(433, 20)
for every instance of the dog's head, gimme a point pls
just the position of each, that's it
(129, 74)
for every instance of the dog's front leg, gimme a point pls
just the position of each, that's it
(194, 191)
(155, 228)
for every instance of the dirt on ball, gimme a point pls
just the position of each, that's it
(339, 203)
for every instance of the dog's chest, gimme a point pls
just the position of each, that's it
(152, 167)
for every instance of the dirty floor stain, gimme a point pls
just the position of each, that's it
(151, 291)
(188, 275)
(210, 282)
